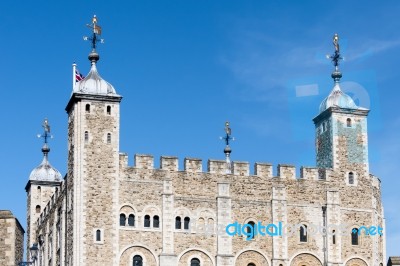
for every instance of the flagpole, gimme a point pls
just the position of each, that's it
(73, 76)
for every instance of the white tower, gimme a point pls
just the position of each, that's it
(93, 168)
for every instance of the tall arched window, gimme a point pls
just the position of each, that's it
(108, 138)
(108, 110)
(147, 221)
(250, 230)
(251, 264)
(37, 208)
(86, 136)
(186, 223)
(87, 108)
(98, 235)
(354, 236)
(178, 223)
(333, 237)
(137, 260)
(348, 122)
(195, 262)
(351, 178)
(156, 221)
(122, 219)
(131, 220)
(303, 233)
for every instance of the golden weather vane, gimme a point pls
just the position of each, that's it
(96, 33)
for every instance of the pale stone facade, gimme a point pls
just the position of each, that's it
(11, 239)
(106, 212)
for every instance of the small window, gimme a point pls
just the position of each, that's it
(251, 264)
(354, 236)
(87, 108)
(39, 188)
(156, 221)
(137, 260)
(348, 122)
(195, 262)
(250, 230)
(86, 136)
(108, 138)
(98, 235)
(37, 208)
(131, 220)
(323, 127)
(351, 178)
(178, 223)
(333, 237)
(108, 110)
(122, 219)
(147, 221)
(186, 223)
(303, 233)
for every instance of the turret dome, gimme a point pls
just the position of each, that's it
(45, 172)
(337, 98)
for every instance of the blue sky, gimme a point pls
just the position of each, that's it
(185, 67)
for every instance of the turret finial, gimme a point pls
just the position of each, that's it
(228, 150)
(94, 39)
(336, 57)
(46, 135)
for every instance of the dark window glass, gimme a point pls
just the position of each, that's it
(348, 122)
(195, 262)
(108, 138)
(156, 221)
(86, 136)
(186, 223)
(333, 237)
(122, 219)
(178, 223)
(87, 108)
(37, 208)
(303, 233)
(249, 231)
(351, 178)
(137, 260)
(251, 264)
(98, 235)
(354, 236)
(147, 221)
(109, 110)
(131, 220)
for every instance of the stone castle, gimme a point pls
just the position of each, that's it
(106, 212)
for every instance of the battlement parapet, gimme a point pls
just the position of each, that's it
(287, 171)
(216, 166)
(263, 170)
(144, 161)
(193, 165)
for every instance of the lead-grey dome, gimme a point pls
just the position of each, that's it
(45, 172)
(337, 98)
(94, 84)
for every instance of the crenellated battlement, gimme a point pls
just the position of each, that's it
(239, 168)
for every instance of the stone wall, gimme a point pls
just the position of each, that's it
(11, 239)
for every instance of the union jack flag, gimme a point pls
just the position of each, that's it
(78, 76)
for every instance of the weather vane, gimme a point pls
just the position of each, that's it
(46, 135)
(96, 33)
(336, 57)
(228, 150)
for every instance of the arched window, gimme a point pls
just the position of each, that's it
(108, 138)
(86, 136)
(186, 223)
(195, 262)
(37, 208)
(303, 233)
(333, 237)
(351, 178)
(251, 264)
(178, 223)
(108, 110)
(147, 221)
(137, 260)
(250, 230)
(122, 219)
(87, 108)
(98, 235)
(131, 220)
(156, 221)
(354, 236)
(348, 122)
(39, 188)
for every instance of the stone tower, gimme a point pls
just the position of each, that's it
(93, 168)
(341, 129)
(43, 181)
